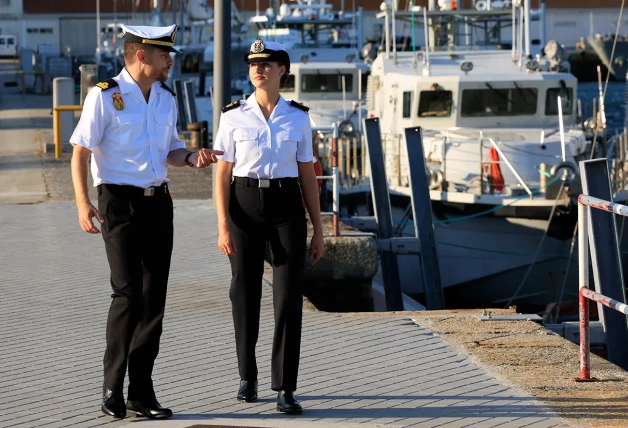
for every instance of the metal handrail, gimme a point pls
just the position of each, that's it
(584, 292)
(334, 175)
(56, 118)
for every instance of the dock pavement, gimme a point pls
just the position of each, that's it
(366, 369)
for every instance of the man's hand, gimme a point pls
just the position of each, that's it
(205, 157)
(85, 213)
(226, 243)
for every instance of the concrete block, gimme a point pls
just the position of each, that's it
(572, 332)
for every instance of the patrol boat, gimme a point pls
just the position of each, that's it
(497, 143)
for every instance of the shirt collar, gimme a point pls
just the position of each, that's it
(251, 103)
(128, 85)
(126, 82)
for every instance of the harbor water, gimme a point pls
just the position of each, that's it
(615, 104)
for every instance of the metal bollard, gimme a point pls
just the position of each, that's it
(195, 137)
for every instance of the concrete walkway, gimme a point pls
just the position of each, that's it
(366, 370)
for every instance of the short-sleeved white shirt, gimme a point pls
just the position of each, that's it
(129, 144)
(264, 149)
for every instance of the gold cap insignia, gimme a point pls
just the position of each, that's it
(258, 46)
(118, 103)
(174, 35)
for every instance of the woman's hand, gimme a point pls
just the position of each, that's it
(225, 242)
(317, 247)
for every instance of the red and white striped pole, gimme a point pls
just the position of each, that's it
(583, 304)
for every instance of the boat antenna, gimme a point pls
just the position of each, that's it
(413, 38)
(426, 58)
(394, 35)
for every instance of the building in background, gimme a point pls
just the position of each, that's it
(71, 24)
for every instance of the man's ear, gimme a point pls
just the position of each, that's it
(140, 55)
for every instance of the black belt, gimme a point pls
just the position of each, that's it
(148, 191)
(265, 183)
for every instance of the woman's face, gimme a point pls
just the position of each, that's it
(266, 75)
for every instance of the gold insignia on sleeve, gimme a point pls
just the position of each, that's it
(118, 103)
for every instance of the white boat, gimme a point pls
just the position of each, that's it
(480, 108)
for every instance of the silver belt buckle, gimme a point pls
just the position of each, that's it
(264, 183)
(149, 191)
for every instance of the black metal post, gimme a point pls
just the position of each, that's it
(423, 223)
(383, 214)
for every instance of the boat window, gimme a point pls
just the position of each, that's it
(326, 83)
(2, 41)
(551, 101)
(407, 104)
(289, 85)
(10, 41)
(515, 101)
(435, 103)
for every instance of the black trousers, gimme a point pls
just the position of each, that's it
(138, 235)
(257, 216)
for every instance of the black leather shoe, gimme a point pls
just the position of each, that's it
(247, 391)
(150, 409)
(287, 403)
(113, 403)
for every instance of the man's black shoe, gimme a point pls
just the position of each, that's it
(113, 403)
(287, 403)
(247, 391)
(150, 409)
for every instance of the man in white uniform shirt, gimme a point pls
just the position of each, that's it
(128, 127)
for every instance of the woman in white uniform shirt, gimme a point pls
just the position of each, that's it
(261, 178)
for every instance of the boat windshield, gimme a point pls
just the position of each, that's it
(435, 103)
(326, 83)
(551, 101)
(492, 101)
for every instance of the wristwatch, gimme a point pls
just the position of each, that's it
(187, 161)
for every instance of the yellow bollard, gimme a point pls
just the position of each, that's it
(56, 118)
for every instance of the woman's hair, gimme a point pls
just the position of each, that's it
(284, 77)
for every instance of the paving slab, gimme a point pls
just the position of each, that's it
(366, 370)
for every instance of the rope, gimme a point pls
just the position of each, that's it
(525, 277)
(562, 288)
(608, 74)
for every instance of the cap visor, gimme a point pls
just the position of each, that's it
(167, 48)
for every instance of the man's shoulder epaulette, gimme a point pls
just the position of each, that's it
(164, 86)
(293, 103)
(107, 84)
(230, 106)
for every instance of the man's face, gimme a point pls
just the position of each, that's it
(157, 64)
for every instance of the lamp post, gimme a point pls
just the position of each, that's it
(98, 32)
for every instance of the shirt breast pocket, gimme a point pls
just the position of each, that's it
(287, 143)
(163, 128)
(129, 128)
(246, 142)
